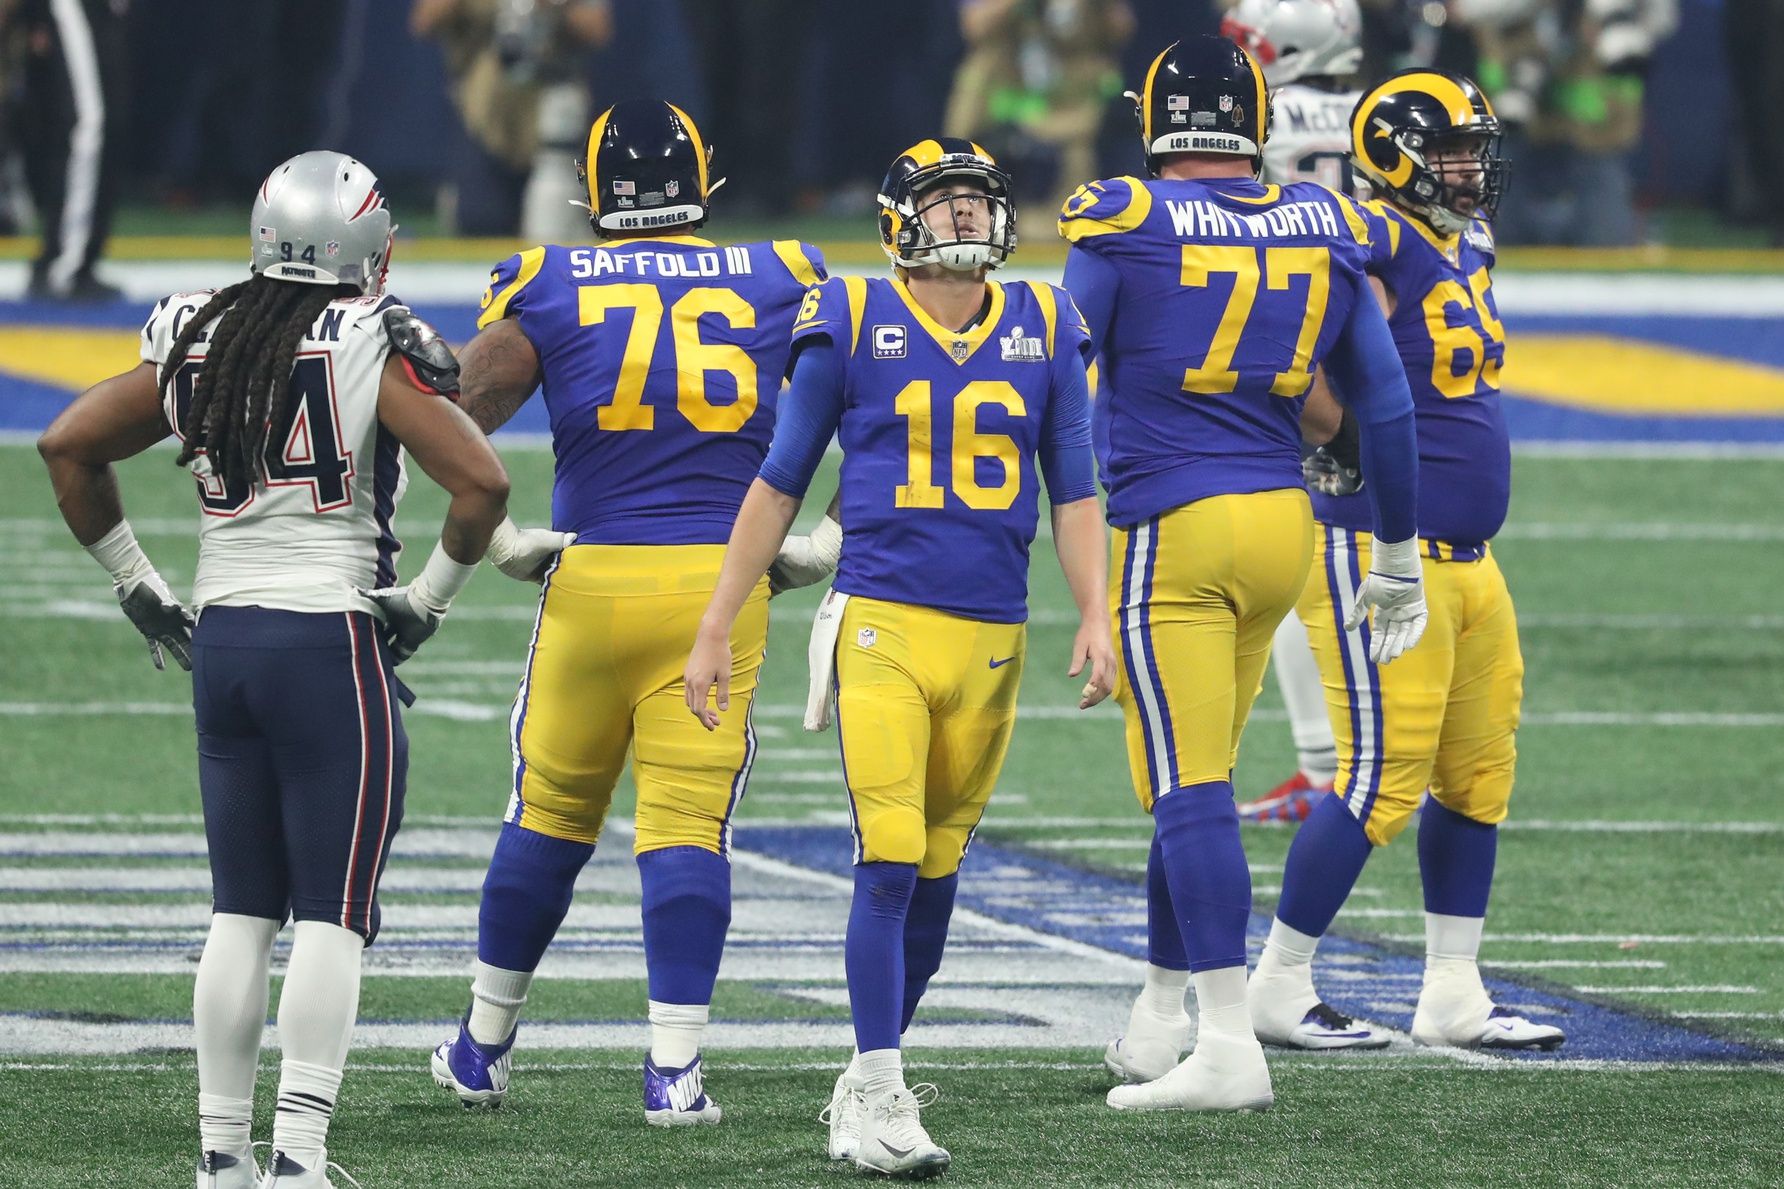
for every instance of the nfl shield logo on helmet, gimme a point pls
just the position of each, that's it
(332, 247)
(671, 188)
(1226, 103)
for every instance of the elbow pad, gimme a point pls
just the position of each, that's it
(425, 355)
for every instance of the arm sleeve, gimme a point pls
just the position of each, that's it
(1094, 284)
(1067, 464)
(810, 411)
(1372, 380)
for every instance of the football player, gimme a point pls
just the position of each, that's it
(1446, 718)
(1211, 298)
(1308, 50)
(947, 388)
(661, 356)
(294, 394)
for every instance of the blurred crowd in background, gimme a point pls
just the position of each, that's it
(477, 109)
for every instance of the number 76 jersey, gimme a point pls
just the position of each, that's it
(662, 359)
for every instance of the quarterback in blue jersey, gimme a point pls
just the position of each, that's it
(1211, 299)
(1446, 718)
(946, 389)
(661, 356)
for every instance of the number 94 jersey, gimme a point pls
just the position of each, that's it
(321, 523)
(662, 358)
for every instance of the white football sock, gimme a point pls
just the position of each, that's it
(675, 1031)
(229, 1017)
(1297, 676)
(1221, 1010)
(317, 1009)
(497, 996)
(1285, 947)
(1162, 995)
(1452, 987)
(881, 1070)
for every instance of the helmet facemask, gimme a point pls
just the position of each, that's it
(983, 228)
(1459, 174)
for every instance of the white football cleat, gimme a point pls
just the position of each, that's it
(1501, 1029)
(844, 1117)
(282, 1172)
(1223, 1074)
(1151, 1046)
(228, 1170)
(1322, 1028)
(892, 1138)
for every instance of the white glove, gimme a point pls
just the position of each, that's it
(806, 561)
(1394, 588)
(160, 617)
(525, 553)
(412, 613)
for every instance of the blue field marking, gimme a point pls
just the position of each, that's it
(1369, 979)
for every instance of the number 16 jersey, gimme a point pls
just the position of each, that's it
(662, 359)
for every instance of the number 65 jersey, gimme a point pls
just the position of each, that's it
(320, 526)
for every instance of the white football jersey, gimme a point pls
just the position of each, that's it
(1310, 139)
(321, 523)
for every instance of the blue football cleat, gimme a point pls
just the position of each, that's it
(478, 1074)
(677, 1097)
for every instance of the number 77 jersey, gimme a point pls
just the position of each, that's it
(1214, 300)
(662, 360)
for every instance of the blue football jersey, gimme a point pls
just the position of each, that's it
(662, 360)
(939, 433)
(1230, 293)
(1446, 328)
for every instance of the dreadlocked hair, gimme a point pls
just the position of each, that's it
(244, 387)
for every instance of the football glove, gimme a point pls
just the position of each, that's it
(1394, 589)
(1335, 468)
(164, 623)
(806, 561)
(525, 553)
(412, 613)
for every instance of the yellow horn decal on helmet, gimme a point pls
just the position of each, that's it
(699, 145)
(594, 146)
(1262, 108)
(924, 153)
(1439, 87)
(1146, 95)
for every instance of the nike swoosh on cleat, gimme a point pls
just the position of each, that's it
(995, 665)
(896, 1153)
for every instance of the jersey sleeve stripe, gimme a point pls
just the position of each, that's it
(792, 255)
(531, 261)
(1043, 296)
(855, 289)
(1352, 216)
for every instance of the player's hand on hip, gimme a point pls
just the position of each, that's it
(1093, 648)
(1394, 589)
(408, 620)
(526, 553)
(160, 617)
(806, 560)
(708, 676)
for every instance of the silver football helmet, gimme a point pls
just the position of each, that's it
(320, 219)
(1294, 39)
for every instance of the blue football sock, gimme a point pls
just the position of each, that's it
(1456, 857)
(925, 933)
(1164, 936)
(1198, 834)
(525, 896)
(1323, 864)
(873, 955)
(687, 911)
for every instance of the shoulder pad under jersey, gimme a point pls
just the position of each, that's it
(426, 357)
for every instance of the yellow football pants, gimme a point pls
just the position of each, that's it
(1443, 716)
(1197, 594)
(603, 676)
(925, 705)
